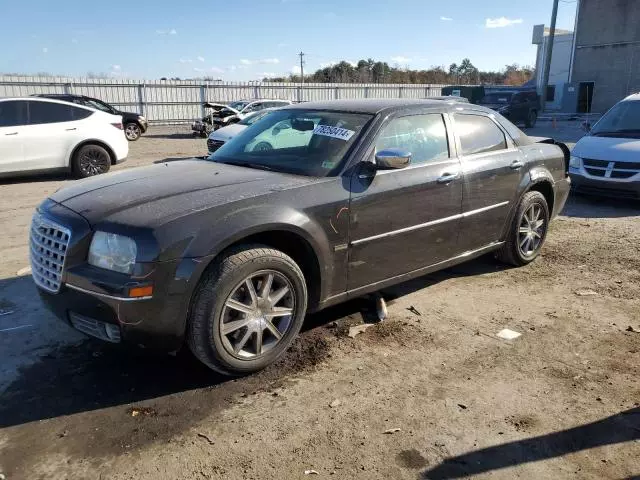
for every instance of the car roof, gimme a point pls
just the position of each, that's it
(633, 97)
(375, 106)
(48, 100)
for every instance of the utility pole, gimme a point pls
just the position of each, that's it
(548, 53)
(301, 67)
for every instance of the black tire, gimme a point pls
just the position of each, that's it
(209, 311)
(132, 131)
(513, 252)
(532, 118)
(91, 160)
(262, 147)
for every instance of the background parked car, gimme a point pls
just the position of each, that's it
(219, 137)
(222, 114)
(41, 134)
(134, 124)
(517, 106)
(607, 160)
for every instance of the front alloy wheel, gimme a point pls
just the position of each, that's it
(257, 314)
(132, 131)
(248, 308)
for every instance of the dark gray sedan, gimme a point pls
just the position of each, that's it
(228, 254)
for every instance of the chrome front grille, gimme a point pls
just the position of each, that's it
(607, 169)
(48, 245)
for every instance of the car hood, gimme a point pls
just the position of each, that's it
(151, 196)
(607, 148)
(227, 133)
(494, 106)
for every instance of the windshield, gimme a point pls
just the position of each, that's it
(303, 142)
(497, 98)
(252, 118)
(238, 105)
(98, 105)
(622, 120)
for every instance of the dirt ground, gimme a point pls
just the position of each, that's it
(429, 393)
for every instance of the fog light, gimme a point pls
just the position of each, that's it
(113, 332)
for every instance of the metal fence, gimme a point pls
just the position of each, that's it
(179, 101)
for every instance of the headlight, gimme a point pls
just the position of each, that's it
(142, 119)
(575, 162)
(112, 252)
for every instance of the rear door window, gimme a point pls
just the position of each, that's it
(479, 134)
(45, 112)
(13, 113)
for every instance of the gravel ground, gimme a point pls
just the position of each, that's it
(430, 393)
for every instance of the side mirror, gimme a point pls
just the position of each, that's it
(392, 158)
(586, 126)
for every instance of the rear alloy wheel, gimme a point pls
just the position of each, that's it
(528, 230)
(132, 131)
(247, 310)
(91, 160)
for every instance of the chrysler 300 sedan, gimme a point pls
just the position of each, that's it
(228, 254)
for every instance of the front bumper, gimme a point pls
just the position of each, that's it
(144, 125)
(605, 187)
(98, 301)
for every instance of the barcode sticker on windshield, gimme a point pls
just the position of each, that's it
(335, 132)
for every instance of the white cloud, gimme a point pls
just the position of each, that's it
(446, 19)
(217, 70)
(401, 60)
(244, 61)
(173, 31)
(271, 61)
(185, 60)
(353, 64)
(295, 70)
(282, 45)
(233, 68)
(502, 22)
(328, 64)
(267, 75)
(45, 50)
(198, 69)
(116, 68)
(200, 59)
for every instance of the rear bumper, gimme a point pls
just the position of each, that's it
(120, 149)
(605, 188)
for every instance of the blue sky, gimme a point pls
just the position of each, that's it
(248, 39)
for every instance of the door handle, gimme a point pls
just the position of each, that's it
(70, 129)
(448, 177)
(516, 165)
(12, 133)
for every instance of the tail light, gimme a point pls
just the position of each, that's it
(117, 125)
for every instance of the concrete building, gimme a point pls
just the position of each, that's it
(560, 63)
(606, 61)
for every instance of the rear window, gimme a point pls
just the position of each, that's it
(492, 98)
(45, 112)
(478, 134)
(13, 113)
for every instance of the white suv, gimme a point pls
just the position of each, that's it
(38, 134)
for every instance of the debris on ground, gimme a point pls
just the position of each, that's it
(146, 411)
(586, 293)
(311, 472)
(202, 435)
(335, 403)
(507, 334)
(2, 477)
(391, 431)
(413, 310)
(462, 406)
(63, 434)
(381, 308)
(358, 329)
(6, 312)
(631, 329)
(24, 271)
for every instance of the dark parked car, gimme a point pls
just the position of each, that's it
(231, 257)
(517, 106)
(134, 124)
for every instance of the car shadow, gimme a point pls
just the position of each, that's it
(74, 378)
(36, 178)
(174, 136)
(619, 428)
(583, 206)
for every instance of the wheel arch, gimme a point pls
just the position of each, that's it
(92, 141)
(545, 187)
